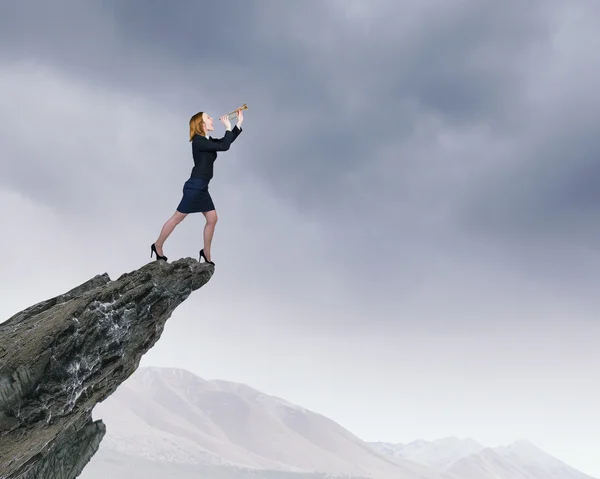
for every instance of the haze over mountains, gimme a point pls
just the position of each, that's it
(468, 459)
(165, 422)
(178, 418)
(439, 454)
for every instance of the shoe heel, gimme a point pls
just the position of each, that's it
(153, 250)
(202, 255)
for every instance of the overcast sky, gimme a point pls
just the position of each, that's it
(409, 229)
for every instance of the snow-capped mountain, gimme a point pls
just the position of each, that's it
(438, 454)
(164, 417)
(470, 460)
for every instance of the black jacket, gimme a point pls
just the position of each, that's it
(204, 151)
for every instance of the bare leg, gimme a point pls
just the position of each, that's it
(167, 229)
(209, 231)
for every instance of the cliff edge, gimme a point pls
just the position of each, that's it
(61, 357)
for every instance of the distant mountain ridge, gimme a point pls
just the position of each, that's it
(168, 422)
(172, 416)
(468, 459)
(438, 454)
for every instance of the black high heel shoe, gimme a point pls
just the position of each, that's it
(153, 250)
(202, 255)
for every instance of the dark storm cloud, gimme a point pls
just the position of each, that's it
(187, 57)
(544, 190)
(388, 127)
(461, 63)
(550, 196)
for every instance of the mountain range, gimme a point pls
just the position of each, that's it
(469, 459)
(167, 422)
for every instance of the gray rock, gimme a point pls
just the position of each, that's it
(61, 357)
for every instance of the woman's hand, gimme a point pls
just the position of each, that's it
(225, 120)
(240, 118)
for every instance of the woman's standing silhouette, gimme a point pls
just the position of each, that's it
(196, 197)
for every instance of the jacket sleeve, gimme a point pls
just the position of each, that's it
(236, 131)
(217, 144)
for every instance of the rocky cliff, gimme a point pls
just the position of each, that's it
(62, 356)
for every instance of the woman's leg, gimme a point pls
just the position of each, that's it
(167, 229)
(209, 231)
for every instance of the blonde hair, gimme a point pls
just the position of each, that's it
(197, 126)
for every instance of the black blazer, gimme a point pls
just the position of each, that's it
(204, 151)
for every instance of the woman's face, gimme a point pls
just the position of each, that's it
(208, 122)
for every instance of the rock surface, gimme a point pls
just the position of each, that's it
(61, 357)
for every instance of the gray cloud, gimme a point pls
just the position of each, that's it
(408, 133)
(539, 193)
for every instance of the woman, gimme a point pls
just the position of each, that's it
(196, 197)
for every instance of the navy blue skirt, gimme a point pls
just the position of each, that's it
(196, 197)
